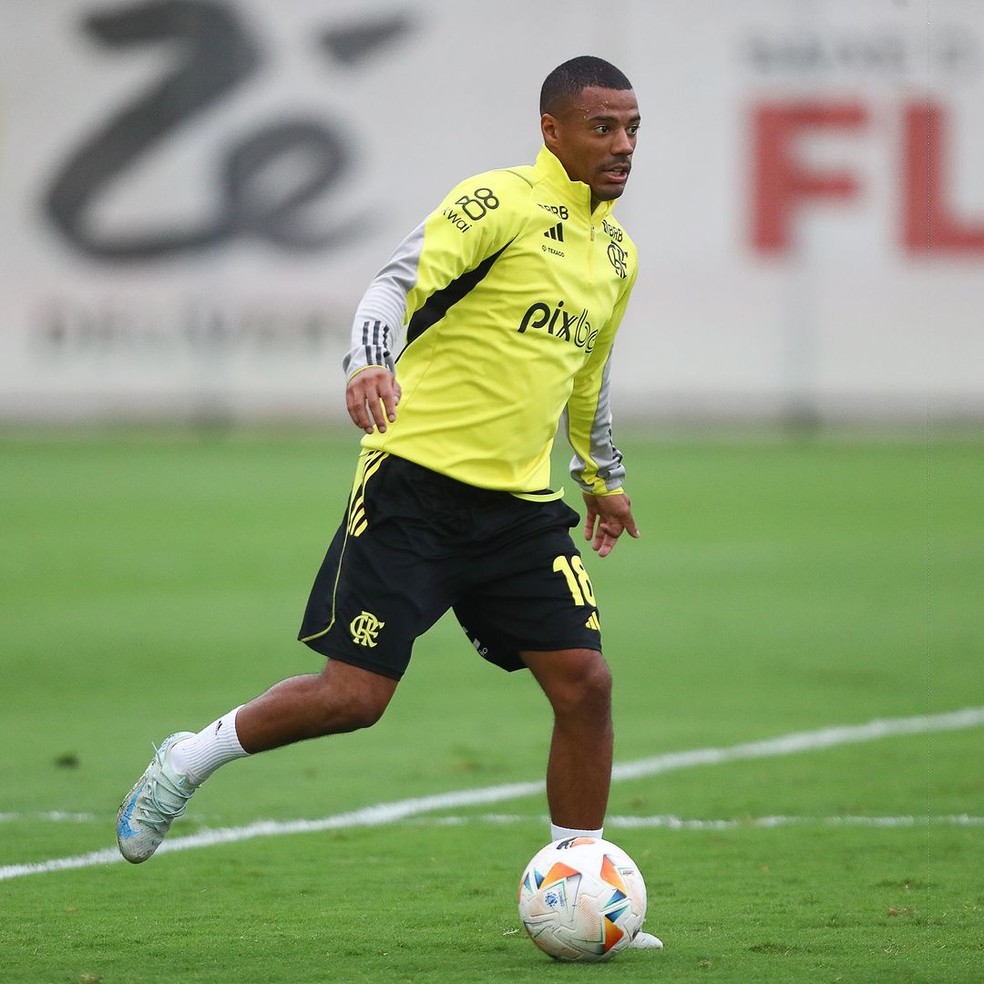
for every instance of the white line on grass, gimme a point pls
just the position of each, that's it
(385, 813)
(667, 822)
(52, 816)
(664, 821)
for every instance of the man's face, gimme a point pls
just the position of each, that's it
(594, 137)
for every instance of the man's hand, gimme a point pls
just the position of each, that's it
(606, 519)
(371, 398)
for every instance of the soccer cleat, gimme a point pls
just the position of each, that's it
(646, 941)
(159, 797)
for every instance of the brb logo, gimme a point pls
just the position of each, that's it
(270, 179)
(617, 256)
(561, 323)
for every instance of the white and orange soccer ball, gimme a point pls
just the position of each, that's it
(582, 899)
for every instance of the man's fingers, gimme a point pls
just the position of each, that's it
(371, 399)
(608, 531)
(391, 400)
(356, 407)
(377, 407)
(605, 538)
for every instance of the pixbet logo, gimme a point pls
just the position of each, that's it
(561, 323)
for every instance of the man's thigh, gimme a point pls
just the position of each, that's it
(537, 597)
(381, 584)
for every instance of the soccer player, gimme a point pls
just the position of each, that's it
(503, 305)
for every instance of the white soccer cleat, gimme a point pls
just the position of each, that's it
(159, 797)
(646, 941)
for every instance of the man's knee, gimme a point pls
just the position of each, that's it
(594, 685)
(576, 681)
(363, 711)
(354, 698)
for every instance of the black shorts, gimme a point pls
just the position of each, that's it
(414, 544)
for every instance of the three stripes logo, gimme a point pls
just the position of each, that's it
(555, 232)
(357, 519)
(593, 622)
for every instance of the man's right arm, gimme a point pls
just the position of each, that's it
(371, 391)
(380, 315)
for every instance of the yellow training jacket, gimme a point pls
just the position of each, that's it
(510, 294)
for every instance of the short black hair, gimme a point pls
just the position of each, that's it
(568, 79)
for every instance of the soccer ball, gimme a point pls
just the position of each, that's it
(582, 899)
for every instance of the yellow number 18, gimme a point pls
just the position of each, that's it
(577, 579)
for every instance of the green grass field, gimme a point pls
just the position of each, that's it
(150, 581)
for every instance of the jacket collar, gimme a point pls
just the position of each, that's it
(552, 171)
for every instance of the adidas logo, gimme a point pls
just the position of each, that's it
(593, 622)
(556, 232)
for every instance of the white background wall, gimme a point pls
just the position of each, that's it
(842, 320)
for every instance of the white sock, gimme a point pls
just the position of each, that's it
(199, 756)
(562, 833)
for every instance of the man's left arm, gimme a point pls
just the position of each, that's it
(597, 463)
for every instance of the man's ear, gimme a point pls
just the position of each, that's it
(548, 127)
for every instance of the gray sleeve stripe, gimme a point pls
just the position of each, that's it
(378, 323)
(605, 455)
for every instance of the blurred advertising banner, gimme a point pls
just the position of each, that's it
(194, 194)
